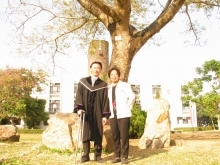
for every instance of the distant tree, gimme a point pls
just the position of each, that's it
(35, 112)
(16, 86)
(208, 104)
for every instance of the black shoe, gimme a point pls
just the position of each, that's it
(116, 160)
(83, 159)
(100, 161)
(124, 161)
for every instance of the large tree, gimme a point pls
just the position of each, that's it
(208, 100)
(16, 87)
(130, 24)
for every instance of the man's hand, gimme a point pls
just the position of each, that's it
(80, 112)
(104, 120)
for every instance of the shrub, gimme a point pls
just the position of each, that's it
(35, 112)
(137, 122)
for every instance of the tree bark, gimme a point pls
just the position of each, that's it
(213, 125)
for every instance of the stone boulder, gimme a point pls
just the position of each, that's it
(62, 133)
(9, 133)
(107, 141)
(157, 127)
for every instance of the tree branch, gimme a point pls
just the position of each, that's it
(164, 18)
(100, 10)
(166, 6)
(208, 3)
(191, 24)
(41, 9)
(109, 11)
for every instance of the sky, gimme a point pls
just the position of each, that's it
(172, 61)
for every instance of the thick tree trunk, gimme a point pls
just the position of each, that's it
(122, 55)
(213, 125)
(219, 122)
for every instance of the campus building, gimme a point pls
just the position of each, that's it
(60, 96)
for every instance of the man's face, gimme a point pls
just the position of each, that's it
(96, 70)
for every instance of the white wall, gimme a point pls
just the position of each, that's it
(67, 96)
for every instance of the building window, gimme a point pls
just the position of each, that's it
(183, 120)
(55, 88)
(54, 106)
(136, 90)
(185, 108)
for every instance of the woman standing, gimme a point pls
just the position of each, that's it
(121, 100)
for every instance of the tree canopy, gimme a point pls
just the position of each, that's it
(35, 112)
(208, 102)
(16, 87)
(129, 24)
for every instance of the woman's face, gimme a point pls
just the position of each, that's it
(114, 76)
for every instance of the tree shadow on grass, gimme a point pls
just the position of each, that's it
(136, 154)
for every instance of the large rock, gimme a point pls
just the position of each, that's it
(9, 133)
(157, 127)
(107, 141)
(62, 133)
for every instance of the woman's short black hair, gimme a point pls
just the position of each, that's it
(116, 69)
(96, 62)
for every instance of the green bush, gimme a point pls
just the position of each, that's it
(30, 131)
(137, 122)
(35, 112)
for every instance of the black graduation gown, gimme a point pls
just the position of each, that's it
(94, 101)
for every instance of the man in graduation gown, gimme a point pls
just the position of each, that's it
(92, 99)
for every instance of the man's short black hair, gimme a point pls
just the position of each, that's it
(116, 69)
(96, 62)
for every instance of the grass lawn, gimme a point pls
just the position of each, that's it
(31, 137)
(30, 151)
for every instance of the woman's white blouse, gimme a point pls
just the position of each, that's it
(124, 100)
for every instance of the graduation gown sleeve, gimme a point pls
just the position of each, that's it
(79, 99)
